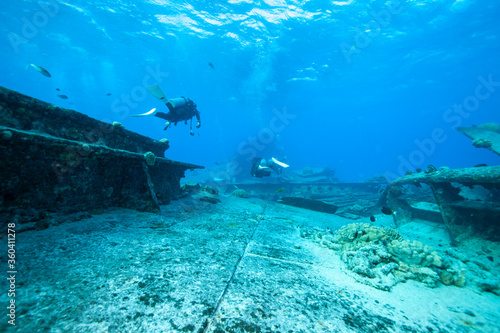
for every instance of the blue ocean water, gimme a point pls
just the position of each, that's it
(365, 87)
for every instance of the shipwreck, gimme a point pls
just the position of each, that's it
(56, 160)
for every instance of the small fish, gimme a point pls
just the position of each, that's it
(58, 89)
(280, 190)
(40, 70)
(387, 211)
(62, 96)
(108, 94)
(373, 218)
(211, 65)
(490, 258)
(480, 165)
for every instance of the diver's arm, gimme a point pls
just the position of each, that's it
(197, 114)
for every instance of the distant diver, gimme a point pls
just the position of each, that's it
(263, 168)
(180, 109)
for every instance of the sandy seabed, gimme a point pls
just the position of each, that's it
(236, 266)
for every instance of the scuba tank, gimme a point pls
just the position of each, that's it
(176, 103)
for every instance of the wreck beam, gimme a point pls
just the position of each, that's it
(485, 175)
(462, 216)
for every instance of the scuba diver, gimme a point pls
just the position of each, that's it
(180, 109)
(263, 168)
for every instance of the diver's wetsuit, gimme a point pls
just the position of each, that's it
(262, 168)
(180, 113)
(259, 169)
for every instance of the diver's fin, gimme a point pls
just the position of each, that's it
(281, 164)
(152, 112)
(156, 91)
